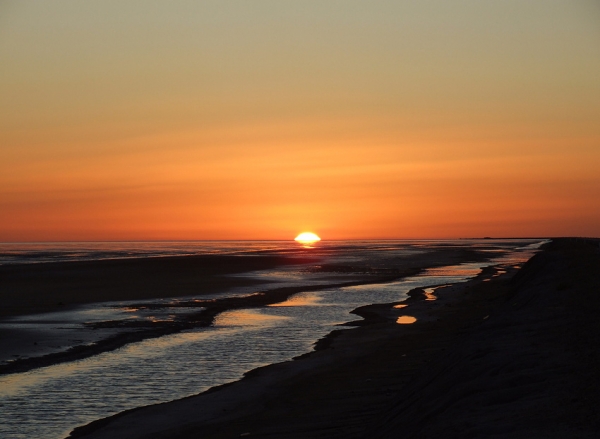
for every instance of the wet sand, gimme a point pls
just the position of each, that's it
(46, 287)
(503, 355)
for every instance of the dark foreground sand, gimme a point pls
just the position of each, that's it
(494, 357)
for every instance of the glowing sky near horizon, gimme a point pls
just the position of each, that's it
(128, 120)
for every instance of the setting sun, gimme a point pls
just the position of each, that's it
(307, 238)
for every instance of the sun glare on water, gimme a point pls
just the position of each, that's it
(307, 238)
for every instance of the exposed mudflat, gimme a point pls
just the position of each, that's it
(33, 288)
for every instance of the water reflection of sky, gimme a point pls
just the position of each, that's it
(405, 320)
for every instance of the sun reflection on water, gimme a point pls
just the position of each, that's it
(299, 300)
(246, 318)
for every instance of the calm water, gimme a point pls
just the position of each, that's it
(51, 401)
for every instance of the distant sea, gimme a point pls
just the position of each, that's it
(39, 252)
(49, 402)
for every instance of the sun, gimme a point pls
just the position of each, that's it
(307, 238)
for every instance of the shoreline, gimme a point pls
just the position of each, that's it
(379, 379)
(200, 274)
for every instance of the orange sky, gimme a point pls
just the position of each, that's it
(258, 120)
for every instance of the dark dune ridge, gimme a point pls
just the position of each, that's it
(503, 355)
(533, 370)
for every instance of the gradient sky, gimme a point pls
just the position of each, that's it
(141, 120)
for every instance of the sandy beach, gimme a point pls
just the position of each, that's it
(503, 355)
